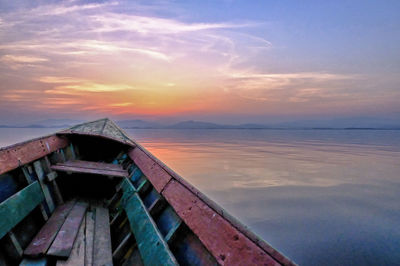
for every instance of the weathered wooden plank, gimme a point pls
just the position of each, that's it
(64, 241)
(34, 262)
(45, 189)
(42, 241)
(152, 247)
(66, 168)
(77, 256)
(94, 165)
(28, 173)
(23, 153)
(102, 253)
(18, 206)
(225, 243)
(89, 236)
(157, 176)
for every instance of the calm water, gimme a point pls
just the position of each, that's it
(322, 197)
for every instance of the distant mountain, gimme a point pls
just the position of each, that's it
(22, 126)
(61, 123)
(337, 123)
(207, 125)
(343, 123)
(195, 125)
(138, 124)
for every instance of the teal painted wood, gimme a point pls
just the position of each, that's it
(18, 206)
(34, 262)
(144, 182)
(46, 191)
(172, 231)
(136, 174)
(152, 247)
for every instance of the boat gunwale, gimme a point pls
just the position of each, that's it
(6, 153)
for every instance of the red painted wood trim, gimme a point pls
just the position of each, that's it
(152, 170)
(26, 152)
(226, 243)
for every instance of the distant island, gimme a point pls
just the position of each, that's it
(344, 124)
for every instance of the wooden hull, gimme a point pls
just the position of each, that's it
(155, 217)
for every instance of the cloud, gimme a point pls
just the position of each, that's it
(92, 87)
(134, 57)
(55, 80)
(111, 22)
(120, 104)
(287, 87)
(22, 59)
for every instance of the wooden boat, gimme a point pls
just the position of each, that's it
(90, 195)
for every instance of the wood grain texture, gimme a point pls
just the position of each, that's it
(95, 165)
(225, 243)
(42, 241)
(157, 176)
(153, 249)
(65, 167)
(45, 188)
(23, 153)
(102, 253)
(89, 237)
(64, 241)
(77, 256)
(104, 128)
(18, 206)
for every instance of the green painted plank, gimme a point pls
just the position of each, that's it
(152, 247)
(18, 206)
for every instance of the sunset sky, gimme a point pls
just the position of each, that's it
(222, 61)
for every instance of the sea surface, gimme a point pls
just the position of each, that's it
(322, 197)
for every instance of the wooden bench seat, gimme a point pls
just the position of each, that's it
(78, 166)
(42, 241)
(74, 236)
(64, 241)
